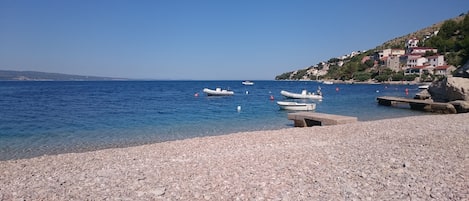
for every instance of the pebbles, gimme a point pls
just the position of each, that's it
(417, 158)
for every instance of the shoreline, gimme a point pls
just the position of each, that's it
(380, 159)
(142, 143)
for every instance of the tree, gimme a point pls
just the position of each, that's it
(333, 60)
(382, 78)
(369, 63)
(283, 76)
(429, 53)
(448, 28)
(334, 72)
(399, 76)
(410, 77)
(464, 42)
(464, 25)
(348, 70)
(300, 74)
(362, 76)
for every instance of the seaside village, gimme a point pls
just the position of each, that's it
(449, 88)
(413, 60)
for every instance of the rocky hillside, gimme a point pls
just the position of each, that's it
(400, 41)
(347, 68)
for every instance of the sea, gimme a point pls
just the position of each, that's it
(52, 117)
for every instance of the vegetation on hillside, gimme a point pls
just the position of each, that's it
(452, 41)
(399, 42)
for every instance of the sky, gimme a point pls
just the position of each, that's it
(201, 39)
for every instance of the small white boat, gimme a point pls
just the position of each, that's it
(304, 95)
(248, 83)
(424, 86)
(218, 92)
(328, 82)
(285, 105)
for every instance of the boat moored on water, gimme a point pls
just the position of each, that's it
(248, 83)
(425, 86)
(286, 105)
(218, 92)
(303, 95)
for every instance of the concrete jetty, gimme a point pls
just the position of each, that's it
(417, 104)
(307, 119)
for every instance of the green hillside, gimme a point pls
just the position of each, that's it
(450, 37)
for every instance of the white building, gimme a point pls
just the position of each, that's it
(382, 54)
(415, 60)
(444, 70)
(436, 60)
(411, 43)
(421, 50)
(419, 70)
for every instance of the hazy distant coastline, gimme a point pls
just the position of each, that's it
(9, 75)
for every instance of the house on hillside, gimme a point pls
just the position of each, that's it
(419, 70)
(436, 60)
(393, 62)
(444, 70)
(365, 58)
(421, 50)
(413, 42)
(412, 60)
(383, 54)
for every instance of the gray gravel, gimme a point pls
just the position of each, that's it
(412, 158)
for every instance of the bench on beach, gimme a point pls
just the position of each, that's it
(307, 119)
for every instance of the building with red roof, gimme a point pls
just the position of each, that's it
(444, 70)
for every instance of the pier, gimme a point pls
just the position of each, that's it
(417, 104)
(307, 119)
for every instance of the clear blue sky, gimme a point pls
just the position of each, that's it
(201, 40)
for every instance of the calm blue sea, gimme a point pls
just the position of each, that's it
(38, 118)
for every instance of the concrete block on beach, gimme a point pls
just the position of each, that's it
(307, 119)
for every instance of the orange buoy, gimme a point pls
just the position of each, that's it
(196, 95)
(271, 97)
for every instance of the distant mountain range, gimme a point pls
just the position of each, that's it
(9, 75)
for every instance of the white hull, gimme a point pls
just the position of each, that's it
(424, 86)
(284, 105)
(304, 95)
(218, 92)
(248, 83)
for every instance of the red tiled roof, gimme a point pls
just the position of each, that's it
(434, 56)
(442, 67)
(423, 48)
(407, 55)
(420, 67)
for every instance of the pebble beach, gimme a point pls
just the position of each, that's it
(410, 158)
